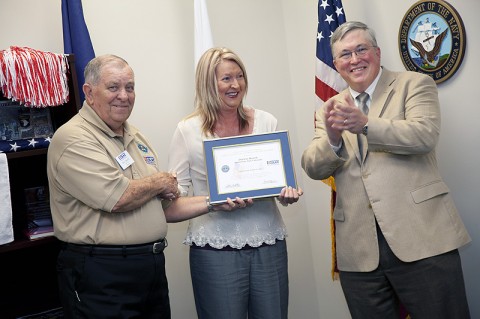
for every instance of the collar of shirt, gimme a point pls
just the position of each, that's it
(369, 90)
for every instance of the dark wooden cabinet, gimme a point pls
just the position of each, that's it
(28, 282)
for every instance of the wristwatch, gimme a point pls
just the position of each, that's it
(209, 205)
(365, 130)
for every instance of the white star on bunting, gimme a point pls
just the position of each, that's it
(14, 147)
(32, 142)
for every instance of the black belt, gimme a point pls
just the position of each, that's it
(118, 250)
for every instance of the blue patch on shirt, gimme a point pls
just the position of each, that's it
(142, 148)
(150, 160)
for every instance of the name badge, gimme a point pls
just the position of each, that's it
(124, 159)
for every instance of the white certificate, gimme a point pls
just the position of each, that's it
(249, 166)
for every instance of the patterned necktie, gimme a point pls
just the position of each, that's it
(362, 102)
(362, 105)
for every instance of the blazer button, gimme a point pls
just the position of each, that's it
(369, 205)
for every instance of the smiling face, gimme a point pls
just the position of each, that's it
(359, 71)
(231, 84)
(113, 96)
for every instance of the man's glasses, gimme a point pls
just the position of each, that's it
(359, 51)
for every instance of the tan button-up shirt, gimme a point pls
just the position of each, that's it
(86, 182)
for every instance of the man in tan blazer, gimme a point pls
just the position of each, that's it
(397, 228)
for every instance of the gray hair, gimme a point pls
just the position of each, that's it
(94, 67)
(348, 26)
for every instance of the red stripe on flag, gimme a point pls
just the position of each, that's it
(323, 91)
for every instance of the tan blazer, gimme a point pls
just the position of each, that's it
(397, 182)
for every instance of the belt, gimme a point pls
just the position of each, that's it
(118, 250)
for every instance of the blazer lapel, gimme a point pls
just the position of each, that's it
(380, 97)
(382, 93)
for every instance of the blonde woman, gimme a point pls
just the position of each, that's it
(238, 260)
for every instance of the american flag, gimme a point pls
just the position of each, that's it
(9, 146)
(328, 82)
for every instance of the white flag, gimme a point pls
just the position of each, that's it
(203, 34)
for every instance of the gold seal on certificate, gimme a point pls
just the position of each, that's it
(248, 166)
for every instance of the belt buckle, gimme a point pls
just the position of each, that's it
(157, 248)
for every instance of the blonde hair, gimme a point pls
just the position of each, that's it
(207, 99)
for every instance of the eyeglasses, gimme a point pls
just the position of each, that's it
(359, 51)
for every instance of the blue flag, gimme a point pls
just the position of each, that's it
(76, 38)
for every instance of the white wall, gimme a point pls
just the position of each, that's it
(276, 40)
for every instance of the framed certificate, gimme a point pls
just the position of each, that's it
(248, 166)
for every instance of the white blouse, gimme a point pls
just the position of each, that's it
(254, 225)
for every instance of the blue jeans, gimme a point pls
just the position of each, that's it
(229, 284)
